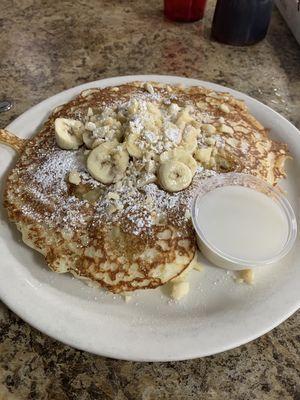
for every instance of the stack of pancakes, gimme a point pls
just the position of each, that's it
(123, 235)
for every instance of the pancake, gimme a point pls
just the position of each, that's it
(134, 232)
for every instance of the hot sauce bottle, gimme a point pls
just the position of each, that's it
(184, 10)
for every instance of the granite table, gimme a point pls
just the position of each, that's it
(48, 46)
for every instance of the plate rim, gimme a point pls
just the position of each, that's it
(112, 354)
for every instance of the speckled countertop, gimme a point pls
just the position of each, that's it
(48, 46)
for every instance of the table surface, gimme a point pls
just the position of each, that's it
(48, 46)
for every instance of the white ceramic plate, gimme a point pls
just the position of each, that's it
(217, 315)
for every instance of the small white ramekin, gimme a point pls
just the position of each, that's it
(218, 257)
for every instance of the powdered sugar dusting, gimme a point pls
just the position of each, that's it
(48, 188)
(137, 206)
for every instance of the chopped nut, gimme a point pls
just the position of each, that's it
(134, 106)
(183, 118)
(90, 126)
(174, 108)
(114, 89)
(221, 120)
(201, 105)
(154, 110)
(187, 214)
(224, 108)
(87, 92)
(90, 112)
(226, 129)
(203, 154)
(74, 177)
(179, 290)
(210, 141)
(246, 276)
(208, 128)
(149, 88)
(113, 196)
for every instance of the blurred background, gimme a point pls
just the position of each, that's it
(49, 46)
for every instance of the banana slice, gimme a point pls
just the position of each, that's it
(107, 163)
(132, 147)
(174, 176)
(68, 133)
(184, 118)
(180, 154)
(189, 139)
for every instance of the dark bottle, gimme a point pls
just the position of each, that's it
(241, 22)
